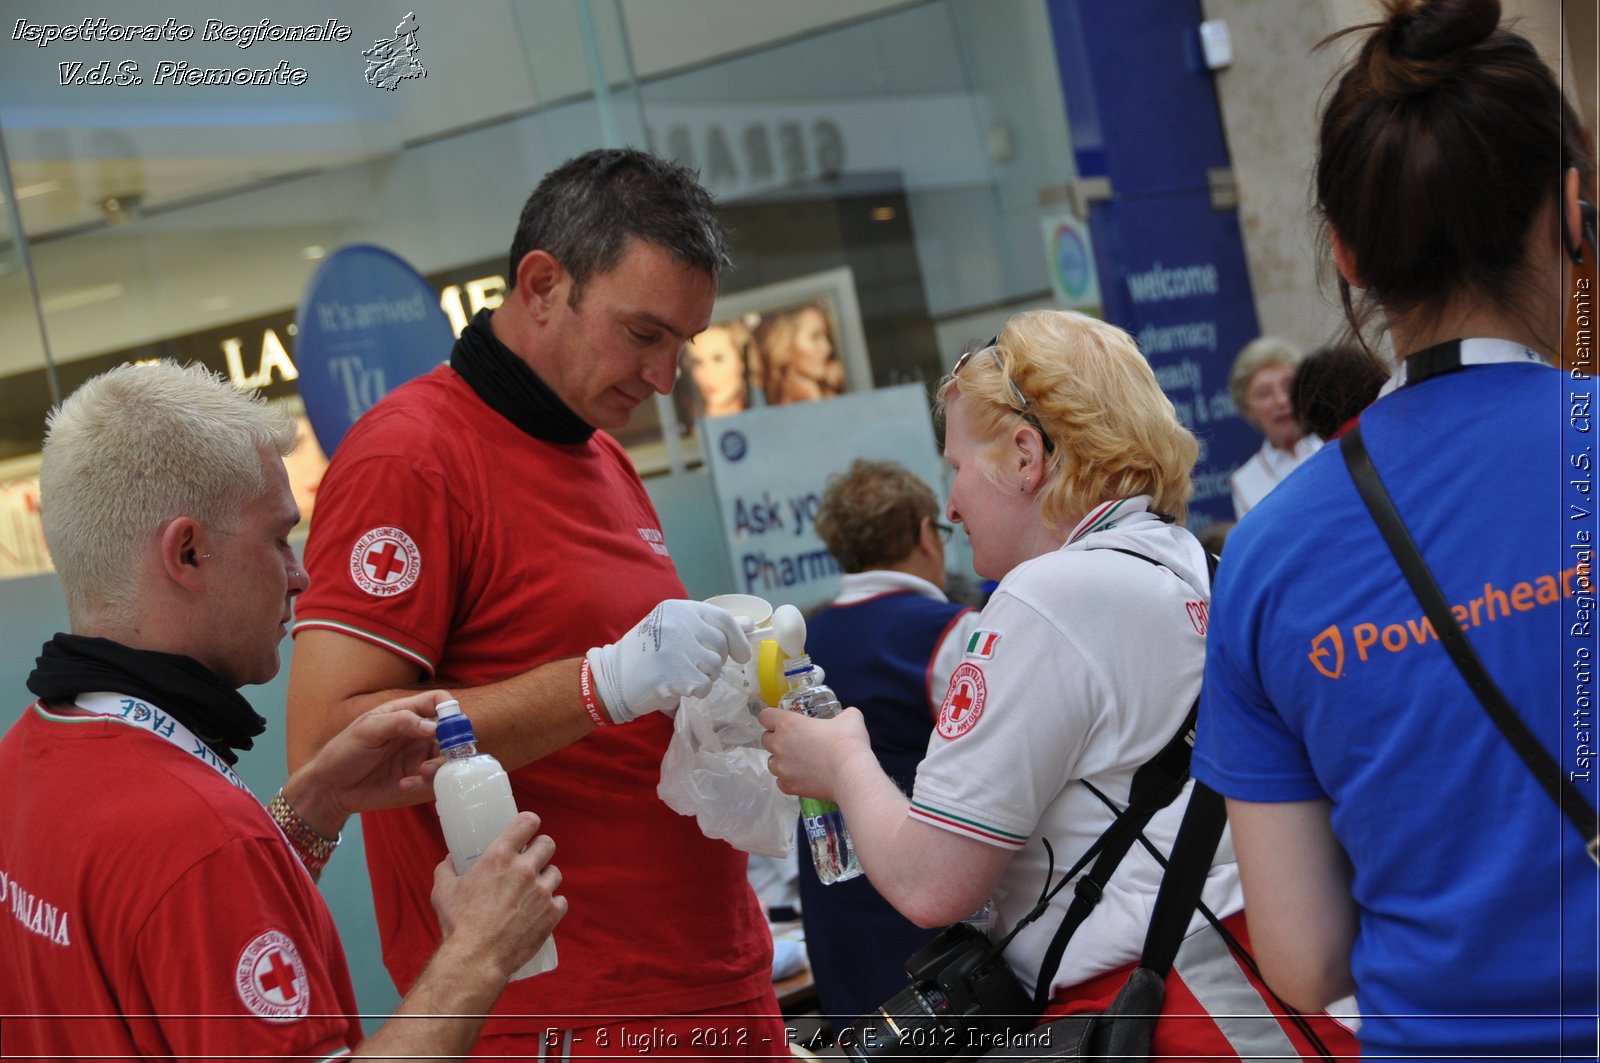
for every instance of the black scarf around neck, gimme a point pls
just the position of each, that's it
(511, 389)
(190, 692)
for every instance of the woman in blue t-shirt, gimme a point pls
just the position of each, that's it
(1391, 842)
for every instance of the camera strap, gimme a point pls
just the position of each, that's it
(1185, 877)
(1567, 797)
(1162, 779)
(1156, 784)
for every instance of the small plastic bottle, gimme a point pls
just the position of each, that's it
(831, 851)
(472, 795)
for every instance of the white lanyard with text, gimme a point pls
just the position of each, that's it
(146, 717)
(1451, 355)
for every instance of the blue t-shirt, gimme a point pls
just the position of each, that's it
(1324, 681)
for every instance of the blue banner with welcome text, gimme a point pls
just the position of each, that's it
(1144, 114)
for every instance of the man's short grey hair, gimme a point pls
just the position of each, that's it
(587, 210)
(134, 448)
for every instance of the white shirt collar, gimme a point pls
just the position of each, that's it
(1282, 462)
(857, 587)
(1115, 513)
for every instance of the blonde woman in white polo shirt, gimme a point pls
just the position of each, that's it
(1066, 454)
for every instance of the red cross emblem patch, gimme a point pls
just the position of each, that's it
(963, 701)
(385, 562)
(271, 979)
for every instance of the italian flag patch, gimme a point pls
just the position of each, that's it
(981, 645)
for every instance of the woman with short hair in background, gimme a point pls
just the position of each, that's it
(1259, 384)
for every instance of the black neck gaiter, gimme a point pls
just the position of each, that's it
(193, 694)
(511, 389)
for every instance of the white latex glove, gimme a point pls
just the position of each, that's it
(675, 652)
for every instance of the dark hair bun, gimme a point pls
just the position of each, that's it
(1443, 115)
(1433, 29)
(1421, 43)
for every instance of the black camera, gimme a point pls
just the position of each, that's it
(963, 1000)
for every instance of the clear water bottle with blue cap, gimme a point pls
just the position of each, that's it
(831, 851)
(472, 794)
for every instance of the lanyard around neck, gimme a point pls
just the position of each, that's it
(1453, 355)
(141, 715)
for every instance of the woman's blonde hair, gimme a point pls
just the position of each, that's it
(1114, 430)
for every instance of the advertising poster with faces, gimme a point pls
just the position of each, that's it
(798, 341)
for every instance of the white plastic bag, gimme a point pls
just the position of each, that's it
(716, 771)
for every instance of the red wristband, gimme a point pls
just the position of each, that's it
(591, 704)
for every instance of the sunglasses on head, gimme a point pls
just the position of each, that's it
(1023, 407)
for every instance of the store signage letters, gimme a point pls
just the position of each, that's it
(786, 151)
(273, 361)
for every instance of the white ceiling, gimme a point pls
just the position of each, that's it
(74, 148)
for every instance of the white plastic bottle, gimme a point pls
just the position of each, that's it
(472, 794)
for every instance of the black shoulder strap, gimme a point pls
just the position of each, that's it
(1185, 878)
(1133, 553)
(1538, 759)
(1155, 785)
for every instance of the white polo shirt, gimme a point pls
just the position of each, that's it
(1084, 665)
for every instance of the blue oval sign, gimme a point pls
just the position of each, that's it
(367, 324)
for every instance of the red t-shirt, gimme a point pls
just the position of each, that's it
(451, 538)
(152, 909)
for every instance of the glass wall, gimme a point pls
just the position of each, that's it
(881, 166)
(884, 158)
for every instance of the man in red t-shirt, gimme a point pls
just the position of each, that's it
(478, 529)
(152, 907)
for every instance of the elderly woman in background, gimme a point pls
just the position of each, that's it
(1071, 477)
(1259, 383)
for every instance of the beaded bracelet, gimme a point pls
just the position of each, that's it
(309, 845)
